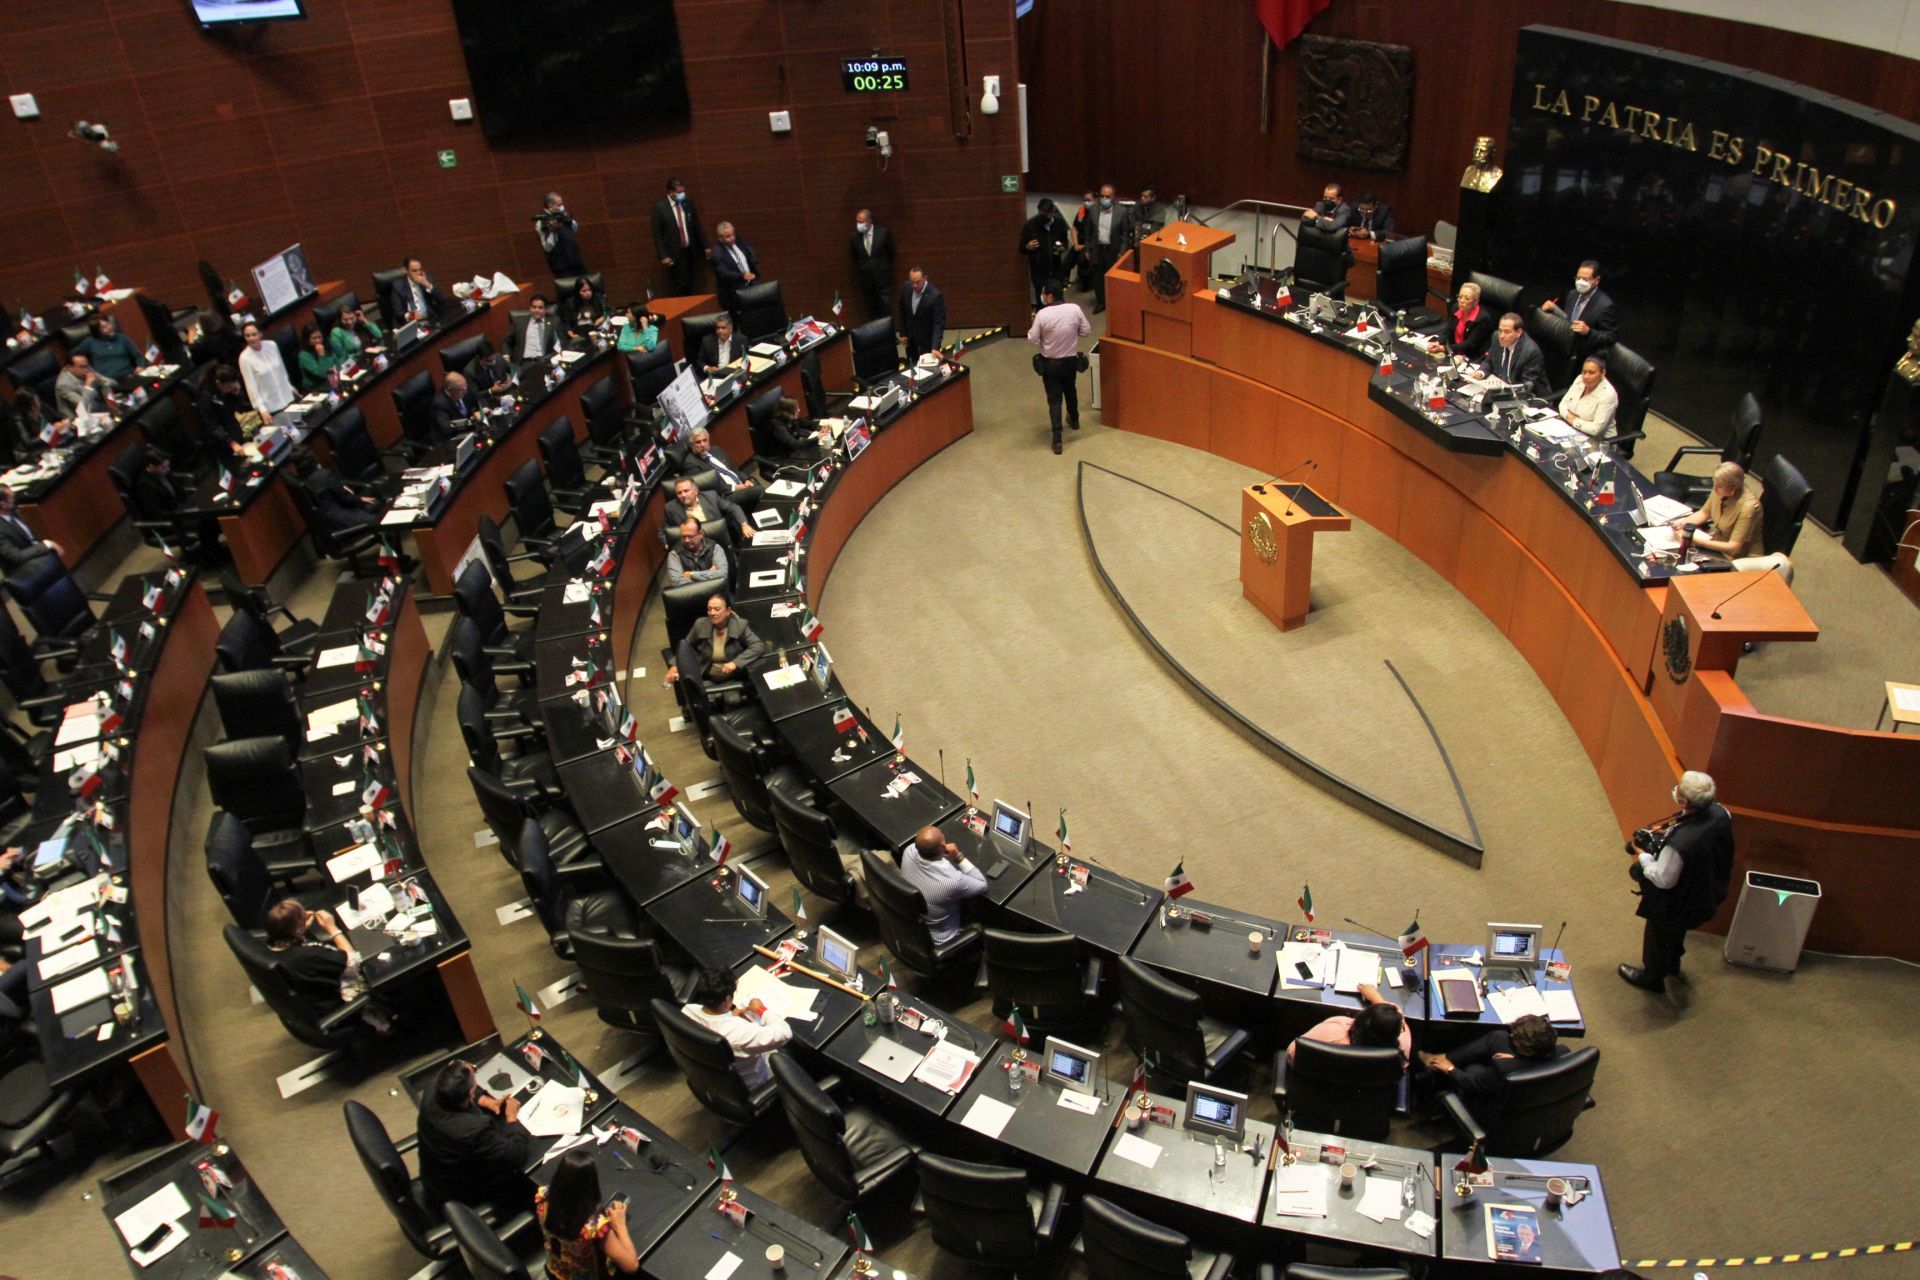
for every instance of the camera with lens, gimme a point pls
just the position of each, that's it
(546, 219)
(1648, 840)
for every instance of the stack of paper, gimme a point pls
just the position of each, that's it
(795, 1004)
(1294, 954)
(988, 1116)
(74, 992)
(1357, 968)
(556, 1111)
(946, 1067)
(1300, 1190)
(1381, 1200)
(1515, 1003)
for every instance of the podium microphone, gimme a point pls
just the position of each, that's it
(943, 767)
(1554, 947)
(1736, 595)
(1262, 486)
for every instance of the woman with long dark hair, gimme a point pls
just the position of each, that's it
(584, 1242)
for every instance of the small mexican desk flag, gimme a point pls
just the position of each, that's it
(201, 1120)
(1306, 901)
(524, 1001)
(1178, 882)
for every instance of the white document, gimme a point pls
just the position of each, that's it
(1517, 1002)
(946, 1067)
(565, 1145)
(727, 1265)
(556, 1111)
(766, 519)
(1663, 509)
(1074, 1100)
(766, 577)
(785, 489)
(988, 1116)
(784, 677)
(175, 1237)
(58, 935)
(1661, 537)
(1561, 1006)
(397, 517)
(576, 592)
(1138, 1150)
(325, 720)
(62, 903)
(67, 961)
(1420, 1222)
(338, 656)
(1357, 967)
(782, 1001)
(75, 992)
(76, 757)
(355, 861)
(1906, 699)
(1293, 954)
(1381, 1200)
(168, 1204)
(77, 729)
(343, 788)
(1300, 1190)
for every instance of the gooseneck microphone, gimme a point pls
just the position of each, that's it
(1736, 595)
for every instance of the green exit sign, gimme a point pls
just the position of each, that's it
(1009, 182)
(447, 160)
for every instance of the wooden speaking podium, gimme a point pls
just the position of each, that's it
(1277, 524)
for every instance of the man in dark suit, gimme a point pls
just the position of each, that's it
(1372, 218)
(218, 405)
(535, 336)
(721, 347)
(154, 496)
(735, 265)
(1330, 212)
(559, 237)
(872, 247)
(1595, 320)
(1044, 243)
(19, 544)
(689, 500)
(677, 239)
(1477, 1071)
(335, 504)
(923, 314)
(415, 297)
(1108, 230)
(1516, 358)
(470, 1148)
(704, 455)
(452, 403)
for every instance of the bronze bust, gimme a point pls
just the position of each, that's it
(1908, 365)
(1483, 174)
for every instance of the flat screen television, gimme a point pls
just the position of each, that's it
(563, 65)
(227, 13)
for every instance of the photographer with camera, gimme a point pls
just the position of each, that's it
(1683, 865)
(559, 237)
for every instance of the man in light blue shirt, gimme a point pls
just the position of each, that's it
(936, 867)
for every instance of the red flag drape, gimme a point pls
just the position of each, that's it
(1286, 19)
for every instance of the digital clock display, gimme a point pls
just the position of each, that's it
(874, 75)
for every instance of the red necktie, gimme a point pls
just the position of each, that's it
(680, 219)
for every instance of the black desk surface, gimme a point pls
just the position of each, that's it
(560, 617)
(1413, 1004)
(417, 1081)
(663, 1181)
(604, 791)
(322, 776)
(827, 753)
(386, 962)
(1575, 1239)
(705, 1237)
(576, 731)
(646, 870)
(1040, 1126)
(894, 819)
(1007, 870)
(1447, 955)
(706, 920)
(114, 932)
(802, 695)
(1108, 914)
(832, 1007)
(348, 733)
(1344, 1223)
(208, 1251)
(1216, 953)
(561, 664)
(70, 1046)
(286, 1251)
(779, 633)
(857, 1037)
(346, 676)
(1184, 1171)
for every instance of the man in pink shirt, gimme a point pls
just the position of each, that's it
(1378, 1026)
(1057, 329)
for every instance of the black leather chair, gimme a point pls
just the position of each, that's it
(257, 781)
(360, 546)
(814, 845)
(624, 975)
(473, 599)
(571, 901)
(902, 915)
(297, 638)
(383, 282)
(54, 606)
(1743, 437)
(176, 534)
(458, 357)
(1402, 284)
(532, 510)
(706, 1059)
(750, 776)
(424, 1226)
(479, 669)
(484, 1254)
(288, 341)
(506, 813)
(413, 405)
(695, 330)
(771, 455)
(1049, 977)
(1632, 378)
(1324, 1271)
(760, 311)
(685, 605)
(33, 1114)
(37, 371)
(606, 418)
(327, 314)
(519, 589)
(1554, 336)
(853, 1152)
(1168, 1031)
(1339, 1088)
(875, 351)
(256, 703)
(246, 644)
(991, 1216)
(356, 459)
(1320, 263)
(1783, 504)
(565, 286)
(1500, 295)
(243, 880)
(566, 475)
(648, 373)
(1537, 1114)
(302, 1021)
(528, 772)
(1124, 1246)
(813, 387)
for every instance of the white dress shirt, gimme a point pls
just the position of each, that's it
(535, 347)
(752, 1039)
(266, 377)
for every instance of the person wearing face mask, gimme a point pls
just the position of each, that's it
(677, 239)
(1082, 263)
(1595, 320)
(1043, 243)
(1109, 230)
(1330, 212)
(872, 247)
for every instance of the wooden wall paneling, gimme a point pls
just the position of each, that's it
(1124, 316)
(1854, 916)
(1429, 521)
(1868, 755)
(1588, 688)
(1487, 567)
(1309, 435)
(1638, 769)
(1164, 332)
(1243, 423)
(1541, 620)
(1370, 479)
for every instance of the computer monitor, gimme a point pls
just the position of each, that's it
(751, 890)
(857, 441)
(837, 956)
(1069, 1065)
(821, 669)
(1512, 946)
(1218, 1113)
(1012, 825)
(685, 829)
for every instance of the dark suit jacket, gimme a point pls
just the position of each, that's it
(19, 546)
(1522, 364)
(1122, 229)
(517, 337)
(220, 417)
(666, 235)
(400, 302)
(726, 272)
(580, 315)
(153, 497)
(1053, 234)
(1479, 333)
(1337, 217)
(1479, 1079)
(717, 506)
(470, 1155)
(743, 646)
(1381, 219)
(1602, 319)
(927, 327)
(692, 464)
(445, 411)
(879, 264)
(335, 505)
(710, 352)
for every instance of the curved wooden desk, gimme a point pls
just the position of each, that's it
(1814, 801)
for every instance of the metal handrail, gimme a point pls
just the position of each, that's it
(1272, 240)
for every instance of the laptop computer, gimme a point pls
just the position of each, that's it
(894, 1061)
